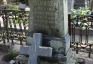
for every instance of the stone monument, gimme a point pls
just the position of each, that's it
(79, 3)
(50, 17)
(70, 5)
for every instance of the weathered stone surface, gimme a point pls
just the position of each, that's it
(49, 17)
(29, 40)
(36, 49)
(70, 5)
(58, 46)
(56, 59)
(73, 58)
(21, 59)
(25, 50)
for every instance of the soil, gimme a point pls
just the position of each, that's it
(82, 55)
(2, 61)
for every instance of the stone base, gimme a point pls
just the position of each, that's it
(57, 59)
(60, 45)
(70, 58)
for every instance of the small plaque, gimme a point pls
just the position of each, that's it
(22, 6)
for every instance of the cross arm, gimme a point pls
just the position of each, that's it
(24, 50)
(45, 51)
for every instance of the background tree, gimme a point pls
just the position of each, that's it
(24, 1)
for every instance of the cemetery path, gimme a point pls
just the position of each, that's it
(85, 56)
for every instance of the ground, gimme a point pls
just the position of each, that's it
(85, 56)
(81, 55)
(1, 56)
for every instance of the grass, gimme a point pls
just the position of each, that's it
(13, 7)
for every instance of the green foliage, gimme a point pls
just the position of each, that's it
(19, 19)
(24, 1)
(81, 11)
(13, 7)
(11, 55)
(7, 6)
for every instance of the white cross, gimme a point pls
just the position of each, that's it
(36, 49)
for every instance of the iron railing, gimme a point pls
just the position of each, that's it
(80, 30)
(14, 25)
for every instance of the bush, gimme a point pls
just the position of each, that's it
(81, 11)
(11, 55)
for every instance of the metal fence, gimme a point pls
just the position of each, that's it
(13, 2)
(14, 25)
(81, 30)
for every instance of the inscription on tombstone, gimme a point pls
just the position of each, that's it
(46, 17)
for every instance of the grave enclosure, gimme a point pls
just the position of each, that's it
(49, 17)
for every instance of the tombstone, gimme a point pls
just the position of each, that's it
(22, 6)
(50, 17)
(3, 2)
(79, 3)
(36, 49)
(70, 5)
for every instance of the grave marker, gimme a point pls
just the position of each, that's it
(22, 6)
(36, 49)
(50, 17)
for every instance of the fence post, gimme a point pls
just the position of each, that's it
(7, 32)
(89, 50)
(69, 23)
(69, 26)
(76, 47)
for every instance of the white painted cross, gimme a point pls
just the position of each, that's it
(36, 49)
